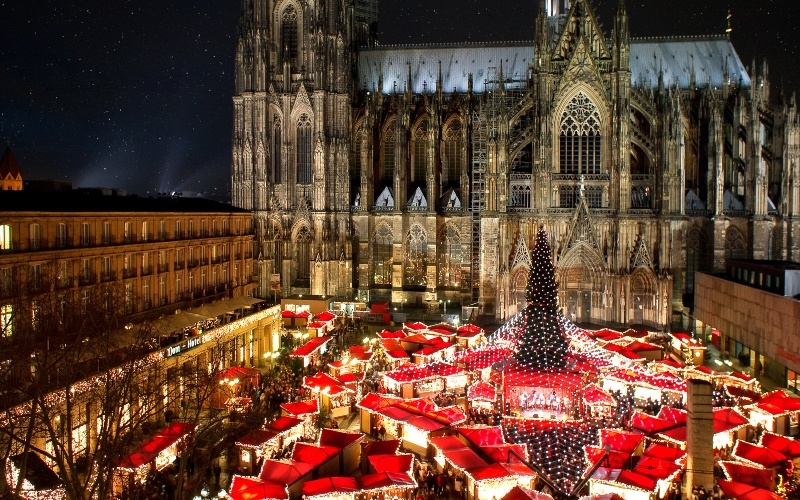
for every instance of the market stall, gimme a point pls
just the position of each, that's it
(335, 396)
(301, 409)
(469, 336)
(776, 412)
(598, 403)
(349, 446)
(290, 474)
(231, 383)
(311, 350)
(39, 482)
(252, 488)
(155, 454)
(482, 395)
(331, 488)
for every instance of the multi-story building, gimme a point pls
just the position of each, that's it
(420, 173)
(90, 284)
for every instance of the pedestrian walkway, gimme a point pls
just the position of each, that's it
(713, 355)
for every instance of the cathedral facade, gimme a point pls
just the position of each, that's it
(420, 174)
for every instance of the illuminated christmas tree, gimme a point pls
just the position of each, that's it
(542, 343)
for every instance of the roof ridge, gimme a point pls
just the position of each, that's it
(464, 44)
(667, 38)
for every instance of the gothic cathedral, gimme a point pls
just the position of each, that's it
(420, 174)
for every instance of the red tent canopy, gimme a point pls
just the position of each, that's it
(481, 391)
(727, 419)
(445, 330)
(251, 488)
(385, 480)
(239, 372)
(502, 453)
(468, 331)
(301, 408)
(782, 444)
(284, 472)
(324, 382)
(417, 327)
(148, 451)
(447, 443)
(310, 347)
(427, 351)
(374, 401)
(741, 491)
(330, 485)
(314, 455)
(386, 334)
(782, 400)
(758, 454)
(256, 438)
(392, 463)
(670, 362)
(639, 346)
(747, 474)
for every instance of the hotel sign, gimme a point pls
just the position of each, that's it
(184, 346)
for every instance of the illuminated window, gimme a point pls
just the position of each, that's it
(128, 232)
(453, 148)
(382, 256)
(35, 236)
(5, 237)
(61, 235)
(304, 150)
(85, 234)
(449, 258)
(580, 137)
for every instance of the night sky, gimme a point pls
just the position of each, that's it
(137, 94)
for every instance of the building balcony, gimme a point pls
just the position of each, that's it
(163, 268)
(128, 273)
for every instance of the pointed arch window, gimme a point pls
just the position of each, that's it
(304, 150)
(277, 150)
(289, 35)
(419, 158)
(450, 258)
(382, 256)
(579, 142)
(303, 258)
(453, 148)
(388, 157)
(415, 272)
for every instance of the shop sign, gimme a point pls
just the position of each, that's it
(186, 345)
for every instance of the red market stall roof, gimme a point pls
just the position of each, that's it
(339, 439)
(636, 480)
(251, 488)
(374, 401)
(310, 347)
(443, 329)
(392, 463)
(302, 408)
(464, 458)
(502, 453)
(639, 346)
(518, 493)
(637, 334)
(427, 351)
(325, 316)
(317, 324)
(670, 362)
(409, 373)
(256, 438)
(754, 476)
(239, 373)
(286, 472)
(388, 447)
(787, 446)
(447, 443)
(755, 454)
(444, 369)
(415, 327)
(499, 471)
(650, 424)
(616, 459)
(482, 436)
(481, 391)
(469, 331)
(289, 314)
(664, 452)
(313, 455)
(623, 351)
(620, 440)
(419, 338)
(595, 396)
(727, 419)
(330, 486)
(672, 414)
(386, 334)
(781, 400)
(282, 424)
(324, 383)
(607, 335)
(741, 491)
(656, 467)
(148, 451)
(381, 480)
